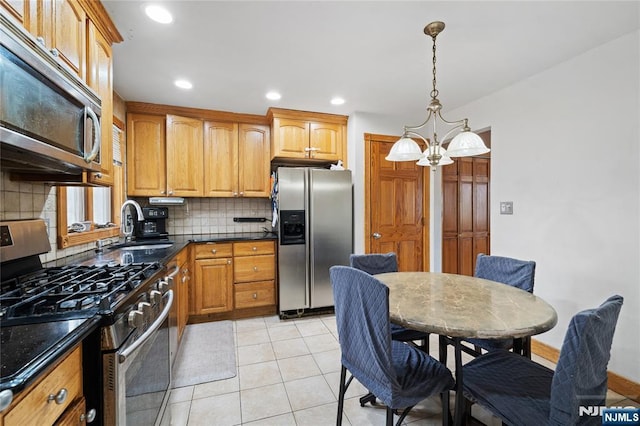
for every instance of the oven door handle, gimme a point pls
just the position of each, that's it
(122, 357)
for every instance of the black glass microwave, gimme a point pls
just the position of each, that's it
(49, 118)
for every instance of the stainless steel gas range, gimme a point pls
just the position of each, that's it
(118, 311)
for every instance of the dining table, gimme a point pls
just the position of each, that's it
(459, 307)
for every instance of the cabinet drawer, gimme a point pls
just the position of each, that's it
(35, 409)
(253, 248)
(254, 268)
(250, 295)
(213, 250)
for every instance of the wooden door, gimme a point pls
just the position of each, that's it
(290, 137)
(221, 159)
(254, 167)
(325, 141)
(100, 79)
(213, 286)
(396, 205)
(146, 155)
(185, 160)
(465, 218)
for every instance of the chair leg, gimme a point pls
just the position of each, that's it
(370, 397)
(403, 415)
(343, 389)
(389, 416)
(442, 349)
(446, 412)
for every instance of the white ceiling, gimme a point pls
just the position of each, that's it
(372, 53)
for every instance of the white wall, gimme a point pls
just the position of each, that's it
(565, 150)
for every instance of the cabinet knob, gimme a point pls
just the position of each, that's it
(229, 262)
(213, 251)
(171, 192)
(89, 417)
(235, 194)
(55, 52)
(162, 192)
(254, 248)
(255, 296)
(242, 194)
(255, 268)
(59, 398)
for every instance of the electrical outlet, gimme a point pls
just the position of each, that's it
(506, 207)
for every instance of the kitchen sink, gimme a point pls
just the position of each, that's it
(147, 247)
(142, 245)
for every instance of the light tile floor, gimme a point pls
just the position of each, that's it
(288, 374)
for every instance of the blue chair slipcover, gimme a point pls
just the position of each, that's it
(378, 264)
(506, 270)
(522, 392)
(400, 375)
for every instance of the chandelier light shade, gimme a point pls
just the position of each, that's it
(464, 144)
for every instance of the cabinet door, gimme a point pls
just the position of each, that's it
(184, 157)
(146, 165)
(326, 141)
(290, 138)
(221, 159)
(213, 286)
(61, 24)
(75, 414)
(100, 79)
(254, 167)
(18, 9)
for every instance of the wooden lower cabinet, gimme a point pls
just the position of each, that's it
(233, 280)
(53, 399)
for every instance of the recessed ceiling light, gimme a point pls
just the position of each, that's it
(274, 96)
(183, 84)
(337, 101)
(158, 14)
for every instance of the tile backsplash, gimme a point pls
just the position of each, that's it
(24, 200)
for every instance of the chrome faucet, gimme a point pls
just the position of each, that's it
(127, 231)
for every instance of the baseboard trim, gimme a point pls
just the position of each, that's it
(616, 382)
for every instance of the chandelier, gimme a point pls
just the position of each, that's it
(464, 144)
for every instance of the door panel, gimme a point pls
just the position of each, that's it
(465, 223)
(396, 205)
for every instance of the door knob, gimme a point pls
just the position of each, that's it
(376, 235)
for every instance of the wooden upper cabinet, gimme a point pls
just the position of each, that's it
(61, 25)
(221, 159)
(100, 79)
(236, 160)
(326, 140)
(18, 9)
(146, 154)
(185, 161)
(254, 166)
(308, 135)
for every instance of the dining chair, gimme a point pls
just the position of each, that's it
(378, 263)
(400, 375)
(507, 270)
(523, 392)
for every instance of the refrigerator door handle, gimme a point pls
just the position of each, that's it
(309, 269)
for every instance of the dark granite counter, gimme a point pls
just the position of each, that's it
(27, 350)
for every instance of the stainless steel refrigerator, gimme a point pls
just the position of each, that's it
(315, 213)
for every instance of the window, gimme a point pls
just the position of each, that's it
(98, 205)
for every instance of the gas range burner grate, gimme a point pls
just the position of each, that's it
(70, 292)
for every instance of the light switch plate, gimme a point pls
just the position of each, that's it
(506, 207)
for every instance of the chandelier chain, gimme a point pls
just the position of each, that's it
(434, 92)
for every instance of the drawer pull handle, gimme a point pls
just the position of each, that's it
(89, 417)
(59, 398)
(255, 296)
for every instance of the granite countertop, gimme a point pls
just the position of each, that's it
(43, 343)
